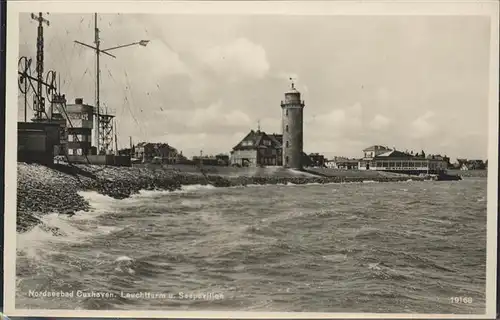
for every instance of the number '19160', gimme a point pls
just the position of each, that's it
(461, 299)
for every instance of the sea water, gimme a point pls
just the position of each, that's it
(407, 247)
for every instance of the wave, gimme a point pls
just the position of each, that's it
(56, 228)
(195, 187)
(184, 189)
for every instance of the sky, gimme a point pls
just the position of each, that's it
(204, 81)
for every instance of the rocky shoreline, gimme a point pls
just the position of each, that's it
(42, 190)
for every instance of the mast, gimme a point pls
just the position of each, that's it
(97, 91)
(40, 101)
(104, 121)
(116, 141)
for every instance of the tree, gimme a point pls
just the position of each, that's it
(423, 154)
(416, 155)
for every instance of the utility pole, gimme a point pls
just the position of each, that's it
(39, 103)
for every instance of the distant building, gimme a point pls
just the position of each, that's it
(125, 152)
(441, 158)
(206, 160)
(160, 152)
(342, 163)
(374, 151)
(317, 160)
(181, 158)
(403, 162)
(223, 159)
(464, 164)
(258, 148)
(477, 165)
(461, 164)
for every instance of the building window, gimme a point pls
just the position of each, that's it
(287, 144)
(286, 160)
(79, 137)
(70, 152)
(79, 151)
(70, 138)
(286, 112)
(286, 128)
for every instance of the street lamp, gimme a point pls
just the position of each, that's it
(143, 43)
(98, 51)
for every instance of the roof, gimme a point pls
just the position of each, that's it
(156, 145)
(395, 154)
(292, 89)
(277, 137)
(142, 144)
(254, 140)
(376, 147)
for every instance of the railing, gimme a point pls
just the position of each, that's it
(401, 168)
(105, 111)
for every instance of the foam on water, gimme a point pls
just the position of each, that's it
(54, 228)
(195, 187)
(156, 193)
(273, 248)
(62, 228)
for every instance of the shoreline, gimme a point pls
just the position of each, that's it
(43, 190)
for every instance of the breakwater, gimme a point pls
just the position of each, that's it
(42, 190)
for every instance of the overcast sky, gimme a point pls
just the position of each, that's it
(204, 81)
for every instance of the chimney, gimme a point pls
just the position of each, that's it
(78, 101)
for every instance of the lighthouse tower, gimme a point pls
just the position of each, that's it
(293, 121)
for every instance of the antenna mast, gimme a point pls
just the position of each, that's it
(39, 104)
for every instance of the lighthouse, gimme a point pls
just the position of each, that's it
(293, 134)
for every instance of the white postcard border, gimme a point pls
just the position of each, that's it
(488, 8)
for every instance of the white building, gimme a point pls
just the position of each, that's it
(397, 161)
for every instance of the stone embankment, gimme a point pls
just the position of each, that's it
(42, 190)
